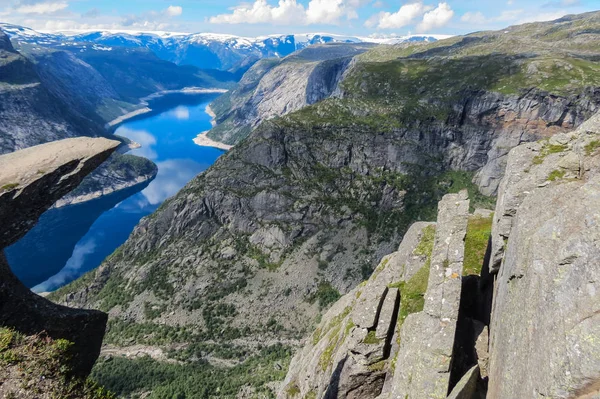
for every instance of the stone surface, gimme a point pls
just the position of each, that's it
(427, 338)
(545, 330)
(388, 313)
(357, 369)
(31, 181)
(467, 386)
(482, 348)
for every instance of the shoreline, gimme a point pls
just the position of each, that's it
(146, 109)
(204, 141)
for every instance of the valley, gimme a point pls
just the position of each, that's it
(70, 241)
(304, 216)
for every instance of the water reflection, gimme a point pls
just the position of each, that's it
(70, 241)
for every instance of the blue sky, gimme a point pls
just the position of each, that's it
(259, 17)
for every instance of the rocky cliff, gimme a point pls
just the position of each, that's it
(58, 97)
(276, 87)
(424, 326)
(68, 340)
(253, 250)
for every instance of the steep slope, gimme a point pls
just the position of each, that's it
(275, 87)
(63, 98)
(37, 336)
(424, 325)
(302, 210)
(22, 93)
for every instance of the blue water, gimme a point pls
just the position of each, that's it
(70, 241)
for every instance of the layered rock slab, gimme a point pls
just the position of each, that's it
(545, 330)
(427, 338)
(31, 181)
(350, 354)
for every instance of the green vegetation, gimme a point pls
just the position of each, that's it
(479, 231)
(379, 366)
(292, 390)
(9, 187)
(548, 149)
(327, 355)
(129, 377)
(413, 290)
(371, 338)
(591, 147)
(556, 175)
(425, 246)
(26, 358)
(413, 293)
(326, 294)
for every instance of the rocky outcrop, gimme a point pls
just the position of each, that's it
(424, 359)
(543, 323)
(394, 335)
(545, 331)
(31, 181)
(273, 88)
(352, 350)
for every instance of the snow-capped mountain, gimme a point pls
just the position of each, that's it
(204, 50)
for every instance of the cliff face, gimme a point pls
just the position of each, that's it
(31, 181)
(274, 87)
(58, 97)
(304, 208)
(537, 337)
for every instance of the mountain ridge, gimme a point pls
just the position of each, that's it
(205, 50)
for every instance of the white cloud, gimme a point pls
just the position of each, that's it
(476, 18)
(181, 113)
(174, 11)
(408, 14)
(403, 17)
(42, 8)
(436, 18)
(543, 17)
(290, 12)
(71, 269)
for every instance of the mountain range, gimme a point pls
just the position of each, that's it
(203, 50)
(236, 270)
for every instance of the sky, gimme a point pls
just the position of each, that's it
(380, 18)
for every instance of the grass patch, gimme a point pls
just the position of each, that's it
(371, 338)
(27, 358)
(425, 246)
(479, 231)
(591, 147)
(556, 175)
(326, 294)
(9, 187)
(547, 150)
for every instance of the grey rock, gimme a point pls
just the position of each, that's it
(31, 181)
(545, 335)
(466, 388)
(482, 348)
(357, 369)
(389, 310)
(427, 338)
(274, 88)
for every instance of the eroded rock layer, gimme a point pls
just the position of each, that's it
(31, 181)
